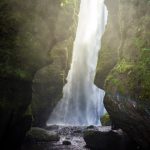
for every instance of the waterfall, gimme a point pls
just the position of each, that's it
(82, 102)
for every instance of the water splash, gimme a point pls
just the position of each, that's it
(82, 102)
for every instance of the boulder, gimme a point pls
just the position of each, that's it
(91, 127)
(41, 135)
(107, 140)
(52, 127)
(132, 117)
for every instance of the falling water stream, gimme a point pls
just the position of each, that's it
(82, 102)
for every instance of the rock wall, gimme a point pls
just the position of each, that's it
(15, 114)
(29, 30)
(124, 67)
(48, 82)
(108, 55)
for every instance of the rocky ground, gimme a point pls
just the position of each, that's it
(70, 138)
(77, 138)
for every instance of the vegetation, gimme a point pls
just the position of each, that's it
(29, 31)
(129, 54)
(35, 50)
(105, 120)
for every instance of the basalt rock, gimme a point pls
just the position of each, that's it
(124, 68)
(15, 113)
(132, 117)
(41, 135)
(48, 81)
(28, 32)
(107, 140)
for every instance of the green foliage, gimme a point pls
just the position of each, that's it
(131, 78)
(66, 2)
(22, 74)
(145, 57)
(118, 76)
(105, 120)
(131, 75)
(25, 36)
(111, 79)
(123, 66)
(139, 42)
(141, 77)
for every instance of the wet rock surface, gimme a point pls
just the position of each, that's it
(108, 140)
(132, 117)
(41, 135)
(71, 138)
(79, 138)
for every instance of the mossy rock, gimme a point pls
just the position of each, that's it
(105, 140)
(41, 135)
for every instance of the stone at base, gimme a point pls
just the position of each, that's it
(40, 135)
(108, 140)
(66, 142)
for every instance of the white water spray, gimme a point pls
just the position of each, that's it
(82, 102)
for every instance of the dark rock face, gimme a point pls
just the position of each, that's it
(41, 135)
(124, 68)
(69, 138)
(15, 118)
(132, 117)
(48, 81)
(108, 55)
(107, 140)
(47, 90)
(28, 32)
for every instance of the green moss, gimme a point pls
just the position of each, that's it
(131, 79)
(41, 135)
(88, 133)
(28, 111)
(117, 77)
(22, 74)
(141, 82)
(115, 81)
(123, 66)
(105, 120)
(138, 42)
